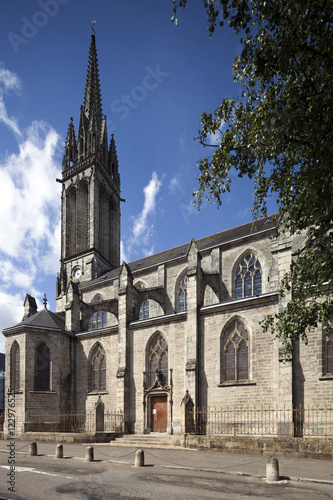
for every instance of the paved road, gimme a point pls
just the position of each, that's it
(44, 477)
(47, 478)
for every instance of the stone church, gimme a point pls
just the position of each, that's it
(148, 339)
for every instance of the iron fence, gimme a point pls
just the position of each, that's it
(114, 421)
(262, 421)
(74, 422)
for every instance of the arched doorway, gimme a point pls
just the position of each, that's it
(158, 412)
(157, 385)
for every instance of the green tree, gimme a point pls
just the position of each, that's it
(280, 134)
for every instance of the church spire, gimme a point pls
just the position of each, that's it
(92, 96)
(90, 198)
(92, 137)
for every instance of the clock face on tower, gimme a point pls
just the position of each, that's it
(76, 272)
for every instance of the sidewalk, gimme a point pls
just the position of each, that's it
(295, 469)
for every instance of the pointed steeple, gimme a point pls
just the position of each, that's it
(90, 224)
(70, 155)
(92, 96)
(92, 137)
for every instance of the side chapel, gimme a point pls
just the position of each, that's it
(146, 338)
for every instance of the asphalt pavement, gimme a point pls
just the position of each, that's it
(290, 468)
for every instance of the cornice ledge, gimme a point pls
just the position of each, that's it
(157, 320)
(271, 297)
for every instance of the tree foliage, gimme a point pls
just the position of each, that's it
(280, 134)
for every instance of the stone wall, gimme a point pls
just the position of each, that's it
(295, 447)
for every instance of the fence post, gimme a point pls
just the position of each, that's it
(139, 458)
(272, 469)
(59, 451)
(33, 449)
(90, 454)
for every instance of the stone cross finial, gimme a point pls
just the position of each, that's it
(45, 301)
(92, 26)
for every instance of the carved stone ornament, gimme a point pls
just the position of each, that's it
(121, 372)
(187, 399)
(191, 365)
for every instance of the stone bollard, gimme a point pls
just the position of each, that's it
(139, 459)
(90, 454)
(33, 449)
(272, 469)
(59, 451)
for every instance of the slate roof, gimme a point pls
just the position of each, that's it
(217, 239)
(43, 319)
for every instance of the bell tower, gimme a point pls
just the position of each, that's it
(90, 200)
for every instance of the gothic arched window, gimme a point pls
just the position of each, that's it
(99, 320)
(158, 360)
(329, 353)
(43, 368)
(82, 210)
(98, 369)
(235, 353)
(182, 295)
(144, 310)
(15, 367)
(248, 277)
(71, 221)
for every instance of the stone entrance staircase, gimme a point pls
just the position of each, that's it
(152, 440)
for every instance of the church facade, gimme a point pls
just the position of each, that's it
(148, 339)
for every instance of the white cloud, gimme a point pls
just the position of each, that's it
(139, 240)
(123, 253)
(10, 122)
(8, 81)
(11, 307)
(141, 227)
(174, 184)
(12, 275)
(29, 194)
(30, 210)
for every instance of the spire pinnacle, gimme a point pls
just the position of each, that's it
(70, 155)
(92, 97)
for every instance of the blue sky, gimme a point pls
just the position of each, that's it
(156, 80)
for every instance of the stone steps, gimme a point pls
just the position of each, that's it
(152, 440)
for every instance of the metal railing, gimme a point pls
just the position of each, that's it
(74, 422)
(262, 421)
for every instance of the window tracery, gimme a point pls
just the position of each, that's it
(99, 320)
(182, 295)
(98, 369)
(329, 353)
(248, 280)
(144, 310)
(158, 360)
(234, 353)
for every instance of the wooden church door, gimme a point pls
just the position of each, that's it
(159, 413)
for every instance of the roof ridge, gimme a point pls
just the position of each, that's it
(202, 238)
